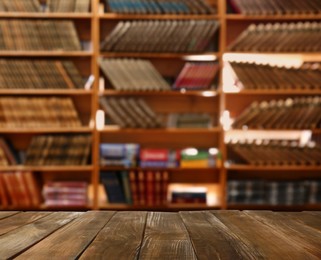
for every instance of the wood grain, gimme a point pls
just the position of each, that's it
(166, 238)
(307, 218)
(120, 238)
(71, 240)
(18, 220)
(221, 242)
(265, 241)
(5, 214)
(299, 235)
(19, 240)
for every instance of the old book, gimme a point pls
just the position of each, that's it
(133, 180)
(82, 6)
(113, 186)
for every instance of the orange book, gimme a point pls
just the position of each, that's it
(33, 189)
(3, 194)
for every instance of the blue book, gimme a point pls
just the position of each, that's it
(113, 186)
(126, 186)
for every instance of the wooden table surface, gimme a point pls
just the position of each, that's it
(160, 235)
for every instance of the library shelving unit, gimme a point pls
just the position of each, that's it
(165, 102)
(83, 99)
(92, 28)
(236, 100)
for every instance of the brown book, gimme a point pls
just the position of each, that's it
(133, 180)
(82, 6)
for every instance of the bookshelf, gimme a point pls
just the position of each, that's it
(236, 100)
(92, 28)
(82, 97)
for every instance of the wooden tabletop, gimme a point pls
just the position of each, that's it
(160, 235)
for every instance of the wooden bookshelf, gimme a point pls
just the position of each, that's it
(92, 27)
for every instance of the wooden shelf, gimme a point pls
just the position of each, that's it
(13, 53)
(46, 130)
(40, 15)
(215, 55)
(170, 207)
(76, 168)
(273, 168)
(241, 131)
(160, 131)
(114, 16)
(284, 17)
(45, 92)
(276, 92)
(275, 207)
(191, 170)
(204, 93)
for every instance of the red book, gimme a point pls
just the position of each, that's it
(141, 188)
(21, 191)
(165, 180)
(154, 154)
(158, 188)
(150, 190)
(3, 193)
(134, 187)
(33, 189)
(10, 184)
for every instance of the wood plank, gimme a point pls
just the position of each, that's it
(265, 241)
(306, 218)
(6, 214)
(298, 234)
(120, 238)
(19, 220)
(211, 237)
(77, 236)
(16, 241)
(166, 238)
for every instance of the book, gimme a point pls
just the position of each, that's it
(133, 75)
(159, 7)
(273, 152)
(112, 183)
(186, 36)
(37, 35)
(59, 150)
(196, 76)
(122, 112)
(284, 37)
(273, 7)
(65, 193)
(290, 113)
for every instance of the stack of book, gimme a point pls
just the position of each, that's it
(196, 76)
(59, 150)
(272, 7)
(38, 112)
(65, 193)
(158, 158)
(267, 192)
(63, 6)
(133, 75)
(47, 6)
(39, 74)
(159, 7)
(290, 113)
(255, 76)
(274, 152)
(119, 154)
(161, 36)
(191, 120)
(131, 113)
(199, 158)
(19, 189)
(314, 191)
(189, 195)
(38, 35)
(139, 188)
(246, 192)
(284, 37)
